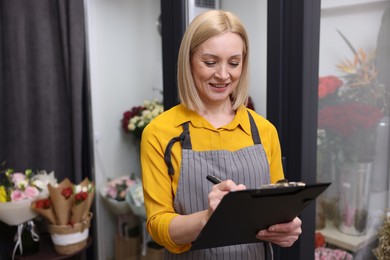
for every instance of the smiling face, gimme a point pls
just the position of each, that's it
(216, 67)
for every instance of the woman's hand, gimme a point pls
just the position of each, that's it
(185, 228)
(219, 190)
(283, 235)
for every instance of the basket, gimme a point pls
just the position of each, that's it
(69, 239)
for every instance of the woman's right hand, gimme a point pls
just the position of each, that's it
(219, 190)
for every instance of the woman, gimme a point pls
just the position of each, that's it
(210, 133)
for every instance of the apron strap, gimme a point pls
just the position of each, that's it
(185, 140)
(255, 132)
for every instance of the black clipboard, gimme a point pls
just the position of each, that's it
(241, 214)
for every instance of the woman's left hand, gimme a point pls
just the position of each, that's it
(283, 235)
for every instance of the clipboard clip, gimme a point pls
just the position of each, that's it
(283, 183)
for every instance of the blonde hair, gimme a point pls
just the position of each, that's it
(203, 27)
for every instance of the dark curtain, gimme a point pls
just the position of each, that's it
(44, 97)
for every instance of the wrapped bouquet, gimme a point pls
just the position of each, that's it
(114, 193)
(67, 210)
(17, 191)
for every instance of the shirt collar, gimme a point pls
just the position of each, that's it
(240, 120)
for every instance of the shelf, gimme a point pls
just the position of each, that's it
(47, 251)
(351, 243)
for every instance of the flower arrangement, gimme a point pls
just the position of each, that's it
(17, 186)
(18, 190)
(361, 79)
(117, 188)
(66, 203)
(352, 129)
(114, 192)
(350, 107)
(67, 210)
(135, 120)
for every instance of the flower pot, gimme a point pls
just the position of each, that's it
(68, 239)
(354, 197)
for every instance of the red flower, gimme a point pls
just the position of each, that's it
(348, 118)
(129, 115)
(43, 204)
(328, 85)
(67, 192)
(320, 240)
(80, 197)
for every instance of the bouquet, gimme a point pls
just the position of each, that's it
(67, 203)
(135, 120)
(350, 107)
(18, 190)
(67, 209)
(114, 193)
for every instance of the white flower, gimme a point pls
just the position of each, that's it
(42, 179)
(39, 184)
(77, 188)
(131, 126)
(140, 124)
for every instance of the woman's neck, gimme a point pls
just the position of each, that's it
(218, 115)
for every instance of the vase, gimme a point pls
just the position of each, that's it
(380, 177)
(326, 172)
(354, 197)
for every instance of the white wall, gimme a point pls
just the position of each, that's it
(125, 66)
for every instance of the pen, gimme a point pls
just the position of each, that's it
(213, 179)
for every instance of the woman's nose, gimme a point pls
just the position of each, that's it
(222, 73)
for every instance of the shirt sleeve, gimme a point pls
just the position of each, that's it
(158, 190)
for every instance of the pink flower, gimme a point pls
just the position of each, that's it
(18, 177)
(130, 182)
(31, 192)
(17, 195)
(111, 192)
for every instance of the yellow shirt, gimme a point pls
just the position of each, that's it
(160, 187)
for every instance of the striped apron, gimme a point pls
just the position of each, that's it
(248, 166)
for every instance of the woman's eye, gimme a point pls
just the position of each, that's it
(209, 63)
(234, 64)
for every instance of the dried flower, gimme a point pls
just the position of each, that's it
(382, 252)
(361, 79)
